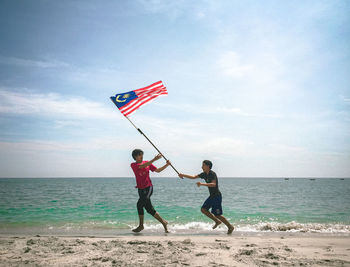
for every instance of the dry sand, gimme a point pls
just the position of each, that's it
(141, 250)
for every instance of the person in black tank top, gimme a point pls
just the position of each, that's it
(214, 200)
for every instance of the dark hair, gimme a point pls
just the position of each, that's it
(208, 163)
(136, 152)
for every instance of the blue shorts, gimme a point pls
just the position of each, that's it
(214, 203)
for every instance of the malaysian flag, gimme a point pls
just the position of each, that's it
(130, 101)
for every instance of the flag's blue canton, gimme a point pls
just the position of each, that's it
(122, 99)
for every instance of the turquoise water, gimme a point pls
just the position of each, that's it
(73, 205)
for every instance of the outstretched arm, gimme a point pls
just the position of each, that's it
(163, 168)
(182, 175)
(150, 162)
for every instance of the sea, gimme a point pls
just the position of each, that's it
(107, 206)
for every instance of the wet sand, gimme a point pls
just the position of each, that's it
(168, 250)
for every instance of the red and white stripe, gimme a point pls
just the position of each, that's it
(145, 95)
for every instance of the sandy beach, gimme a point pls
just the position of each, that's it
(142, 250)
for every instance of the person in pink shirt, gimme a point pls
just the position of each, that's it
(144, 185)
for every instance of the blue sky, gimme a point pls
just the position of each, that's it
(261, 88)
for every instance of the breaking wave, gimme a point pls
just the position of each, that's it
(259, 227)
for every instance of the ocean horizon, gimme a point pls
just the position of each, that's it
(173, 177)
(107, 205)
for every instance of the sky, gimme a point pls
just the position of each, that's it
(260, 88)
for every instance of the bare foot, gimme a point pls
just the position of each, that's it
(138, 229)
(216, 224)
(230, 230)
(165, 225)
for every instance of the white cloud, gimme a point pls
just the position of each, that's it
(220, 145)
(193, 138)
(345, 99)
(238, 111)
(103, 77)
(230, 64)
(185, 146)
(52, 104)
(219, 110)
(32, 63)
(39, 146)
(38, 158)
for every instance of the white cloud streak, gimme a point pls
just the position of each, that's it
(219, 110)
(32, 63)
(39, 146)
(52, 104)
(345, 99)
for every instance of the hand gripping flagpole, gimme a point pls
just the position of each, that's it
(151, 143)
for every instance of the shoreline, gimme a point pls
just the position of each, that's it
(157, 230)
(187, 228)
(168, 250)
(158, 233)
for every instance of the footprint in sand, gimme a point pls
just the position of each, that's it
(287, 249)
(186, 241)
(251, 245)
(201, 254)
(247, 252)
(329, 248)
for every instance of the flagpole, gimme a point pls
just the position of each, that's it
(151, 143)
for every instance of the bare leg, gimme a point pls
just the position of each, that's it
(211, 216)
(162, 221)
(140, 227)
(226, 222)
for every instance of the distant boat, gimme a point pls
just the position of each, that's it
(312, 179)
(341, 178)
(286, 178)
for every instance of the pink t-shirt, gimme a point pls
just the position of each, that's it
(142, 174)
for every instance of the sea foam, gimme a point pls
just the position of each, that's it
(259, 227)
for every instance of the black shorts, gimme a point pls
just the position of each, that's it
(214, 203)
(145, 201)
